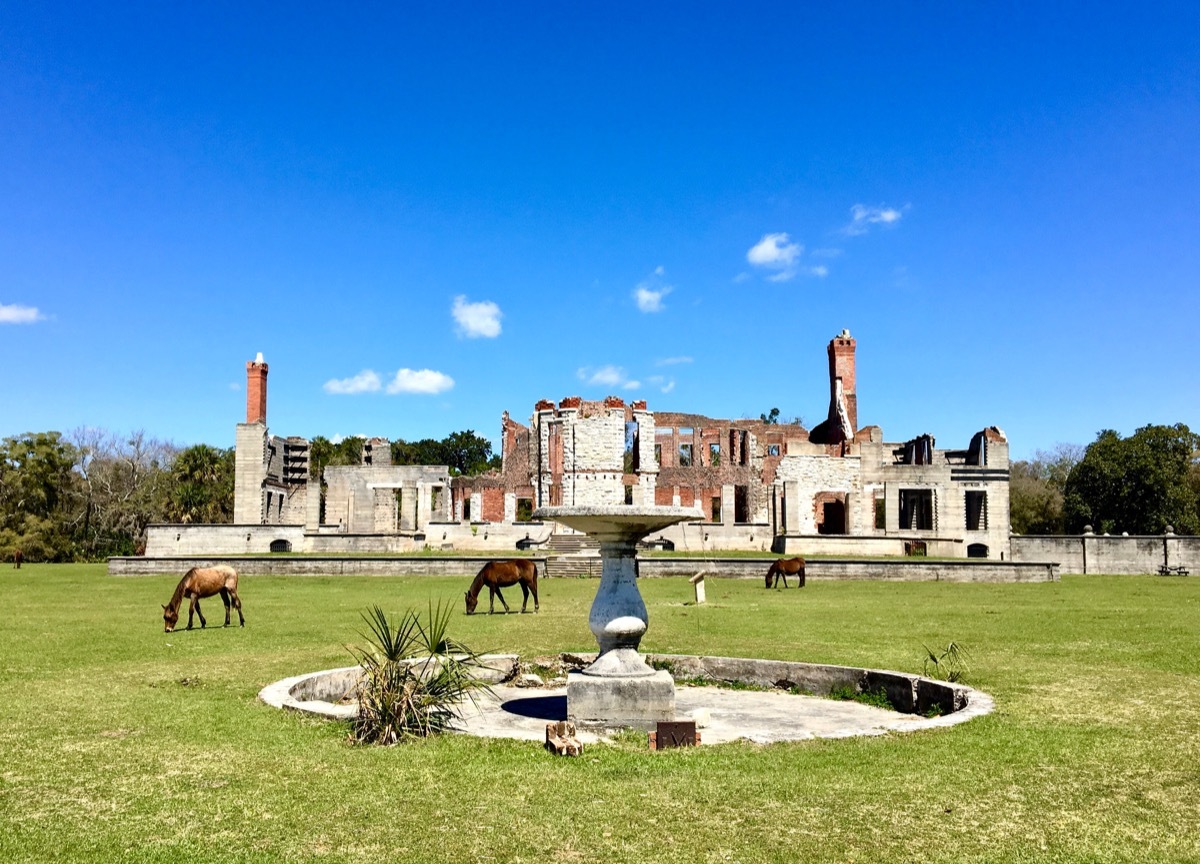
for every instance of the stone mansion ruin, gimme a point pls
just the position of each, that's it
(835, 489)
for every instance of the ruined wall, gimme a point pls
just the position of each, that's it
(1102, 553)
(578, 449)
(356, 497)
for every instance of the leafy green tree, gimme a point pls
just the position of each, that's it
(771, 417)
(38, 490)
(1138, 484)
(203, 486)
(464, 452)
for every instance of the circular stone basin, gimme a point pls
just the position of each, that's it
(793, 711)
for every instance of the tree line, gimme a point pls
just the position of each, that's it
(90, 494)
(1140, 484)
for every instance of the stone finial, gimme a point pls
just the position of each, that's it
(1087, 529)
(1170, 529)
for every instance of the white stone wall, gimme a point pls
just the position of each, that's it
(814, 474)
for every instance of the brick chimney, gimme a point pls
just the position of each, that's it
(256, 390)
(841, 367)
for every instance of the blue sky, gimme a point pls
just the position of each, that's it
(459, 209)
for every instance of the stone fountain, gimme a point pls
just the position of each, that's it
(619, 688)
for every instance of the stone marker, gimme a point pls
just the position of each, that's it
(698, 584)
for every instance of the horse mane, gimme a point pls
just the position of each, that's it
(177, 597)
(477, 585)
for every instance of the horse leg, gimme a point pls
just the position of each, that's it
(237, 604)
(524, 597)
(503, 602)
(195, 607)
(492, 592)
(225, 600)
(533, 588)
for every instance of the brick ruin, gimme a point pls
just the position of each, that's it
(837, 488)
(779, 481)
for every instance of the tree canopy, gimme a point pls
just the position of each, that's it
(1140, 484)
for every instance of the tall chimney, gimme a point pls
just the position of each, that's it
(256, 390)
(841, 368)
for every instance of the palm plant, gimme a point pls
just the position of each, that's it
(948, 665)
(415, 679)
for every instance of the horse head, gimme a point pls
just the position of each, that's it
(170, 618)
(472, 602)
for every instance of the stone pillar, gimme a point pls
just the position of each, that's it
(792, 507)
(727, 500)
(408, 508)
(423, 506)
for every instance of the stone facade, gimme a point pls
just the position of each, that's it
(833, 489)
(769, 485)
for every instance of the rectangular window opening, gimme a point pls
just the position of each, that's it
(714, 455)
(976, 506)
(916, 510)
(685, 455)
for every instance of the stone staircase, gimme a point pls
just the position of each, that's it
(572, 556)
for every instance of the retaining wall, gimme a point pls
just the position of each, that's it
(915, 570)
(1102, 553)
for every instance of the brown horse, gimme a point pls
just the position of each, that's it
(204, 582)
(784, 568)
(18, 557)
(500, 574)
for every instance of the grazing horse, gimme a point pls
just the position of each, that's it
(784, 568)
(500, 574)
(18, 557)
(204, 582)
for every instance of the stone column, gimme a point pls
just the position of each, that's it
(408, 508)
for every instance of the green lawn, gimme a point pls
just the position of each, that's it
(121, 743)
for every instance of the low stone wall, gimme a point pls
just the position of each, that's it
(280, 565)
(900, 570)
(909, 694)
(1102, 553)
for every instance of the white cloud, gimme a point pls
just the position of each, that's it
(672, 361)
(607, 376)
(776, 252)
(17, 314)
(420, 381)
(365, 381)
(649, 299)
(863, 217)
(476, 320)
(650, 292)
(821, 271)
(661, 383)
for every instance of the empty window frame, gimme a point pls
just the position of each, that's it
(916, 510)
(772, 449)
(685, 455)
(715, 507)
(714, 454)
(880, 512)
(976, 507)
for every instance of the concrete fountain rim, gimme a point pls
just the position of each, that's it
(299, 693)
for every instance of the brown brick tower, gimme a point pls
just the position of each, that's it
(256, 390)
(841, 367)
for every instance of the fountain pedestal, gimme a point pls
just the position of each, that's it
(619, 688)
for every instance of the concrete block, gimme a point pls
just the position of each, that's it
(612, 703)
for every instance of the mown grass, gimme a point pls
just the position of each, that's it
(121, 743)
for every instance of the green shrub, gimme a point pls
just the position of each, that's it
(415, 678)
